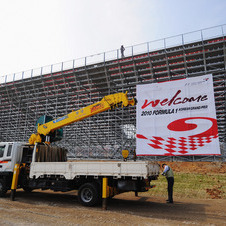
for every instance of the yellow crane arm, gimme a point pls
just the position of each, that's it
(106, 103)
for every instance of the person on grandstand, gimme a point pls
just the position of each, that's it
(168, 173)
(122, 51)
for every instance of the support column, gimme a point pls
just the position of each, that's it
(104, 193)
(16, 172)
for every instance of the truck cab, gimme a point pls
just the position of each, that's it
(12, 153)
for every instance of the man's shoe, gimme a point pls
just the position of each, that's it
(169, 201)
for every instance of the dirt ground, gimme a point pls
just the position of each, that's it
(49, 208)
(198, 167)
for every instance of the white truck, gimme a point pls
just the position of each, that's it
(42, 166)
(38, 165)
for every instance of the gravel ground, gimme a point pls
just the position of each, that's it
(49, 208)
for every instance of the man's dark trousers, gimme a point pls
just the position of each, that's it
(170, 181)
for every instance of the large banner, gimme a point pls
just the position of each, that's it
(177, 118)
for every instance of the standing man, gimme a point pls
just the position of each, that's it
(122, 51)
(168, 172)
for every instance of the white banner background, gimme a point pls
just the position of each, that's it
(177, 118)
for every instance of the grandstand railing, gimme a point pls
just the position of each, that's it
(182, 39)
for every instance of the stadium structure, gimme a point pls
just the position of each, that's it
(58, 89)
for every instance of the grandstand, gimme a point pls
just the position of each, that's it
(56, 90)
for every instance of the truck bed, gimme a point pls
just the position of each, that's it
(117, 169)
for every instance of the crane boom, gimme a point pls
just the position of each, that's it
(108, 102)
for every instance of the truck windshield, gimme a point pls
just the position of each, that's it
(2, 149)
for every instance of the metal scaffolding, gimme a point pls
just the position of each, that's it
(56, 90)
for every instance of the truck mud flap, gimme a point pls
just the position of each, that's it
(124, 185)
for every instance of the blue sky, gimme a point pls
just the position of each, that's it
(36, 33)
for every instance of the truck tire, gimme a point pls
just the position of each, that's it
(88, 194)
(3, 188)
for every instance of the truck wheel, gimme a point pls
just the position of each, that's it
(3, 188)
(88, 194)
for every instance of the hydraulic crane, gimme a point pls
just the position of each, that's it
(47, 131)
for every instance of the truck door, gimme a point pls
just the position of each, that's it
(6, 157)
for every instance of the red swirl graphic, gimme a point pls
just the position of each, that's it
(182, 125)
